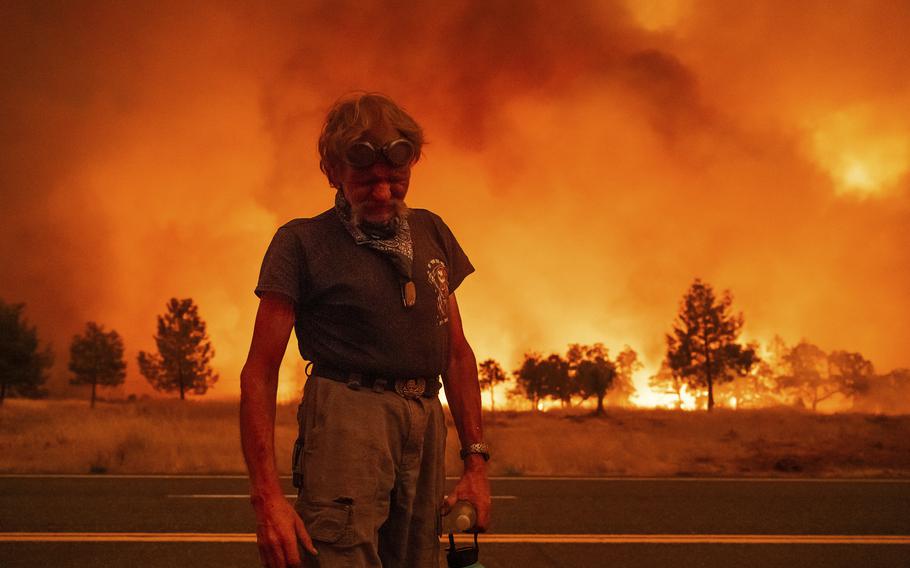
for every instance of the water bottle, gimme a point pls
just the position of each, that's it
(461, 517)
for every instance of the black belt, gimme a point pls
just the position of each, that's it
(407, 388)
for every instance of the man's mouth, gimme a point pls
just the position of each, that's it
(379, 214)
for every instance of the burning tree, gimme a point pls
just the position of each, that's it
(703, 347)
(668, 381)
(23, 364)
(757, 388)
(814, 376)
(594, 372)
(184, 352)
(96, 358)
(490, 374)
(627, 364)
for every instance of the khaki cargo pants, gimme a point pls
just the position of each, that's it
(370, 468)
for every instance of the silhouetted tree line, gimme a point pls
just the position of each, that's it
(704, 354)
(182, 362)
(706, 360)
(584, 372)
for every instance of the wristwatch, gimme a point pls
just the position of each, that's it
(479, 448)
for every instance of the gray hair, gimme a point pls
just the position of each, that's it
(351, 116)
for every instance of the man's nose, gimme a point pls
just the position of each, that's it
(382, 191)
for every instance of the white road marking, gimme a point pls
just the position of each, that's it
(289, 496)
(206, 496)
(486, 538)
(493, 478)
(687, 539)
(121, 476)
(708, 479)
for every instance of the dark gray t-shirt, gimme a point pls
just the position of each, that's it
(347, 298)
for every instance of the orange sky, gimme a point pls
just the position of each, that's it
(592, 159)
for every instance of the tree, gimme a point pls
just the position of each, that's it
(888, 393)
(557, 383)
(627, 364)
(96, 358)
(23, 364)
(595, 374)
(529, 379)
(703, 347)
(814, 376)
(184, 352)
(538, 378)
(807, 366)
(490, 374)
(757, 388)
(851, 372)
(668, 381)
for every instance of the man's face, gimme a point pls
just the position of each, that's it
(376, 193)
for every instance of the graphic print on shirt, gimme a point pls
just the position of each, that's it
(438, 275)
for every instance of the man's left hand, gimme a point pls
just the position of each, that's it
(473, 487)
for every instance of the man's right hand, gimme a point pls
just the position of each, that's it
(278, 528)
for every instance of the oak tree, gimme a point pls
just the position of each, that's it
(594, 372)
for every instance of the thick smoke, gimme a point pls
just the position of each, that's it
(592, 159)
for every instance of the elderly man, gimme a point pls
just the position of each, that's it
(369, 288)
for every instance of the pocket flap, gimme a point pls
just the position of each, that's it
(326, 522)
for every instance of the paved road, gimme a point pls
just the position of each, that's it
(81, 521)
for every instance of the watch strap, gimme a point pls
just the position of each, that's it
(477, 448)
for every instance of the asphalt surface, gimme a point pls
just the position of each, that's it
(81, 521)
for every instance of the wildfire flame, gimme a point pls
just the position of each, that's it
(864, 154)
(592, 159)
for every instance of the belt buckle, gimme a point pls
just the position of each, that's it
(410, 388)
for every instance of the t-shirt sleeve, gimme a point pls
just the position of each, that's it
(282, 266)
(459, 264)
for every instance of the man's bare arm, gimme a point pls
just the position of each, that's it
(278, 525)
(463, 396)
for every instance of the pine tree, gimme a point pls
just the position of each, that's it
(184, 352)
(23, 364)
(96, 358)
(703, 347)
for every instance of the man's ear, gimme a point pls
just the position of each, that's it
(334, 176)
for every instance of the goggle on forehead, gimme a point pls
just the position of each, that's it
(399, 152)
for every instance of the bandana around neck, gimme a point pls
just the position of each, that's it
(395, 244)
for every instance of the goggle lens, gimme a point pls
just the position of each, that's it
(398, 153)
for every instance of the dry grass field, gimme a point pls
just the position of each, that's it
(169, 436)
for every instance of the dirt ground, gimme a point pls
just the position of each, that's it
(169, 436)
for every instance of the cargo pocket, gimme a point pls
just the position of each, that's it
(329, 522)
(296, 464)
